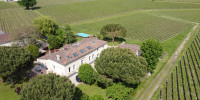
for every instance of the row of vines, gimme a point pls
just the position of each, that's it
(184, 82)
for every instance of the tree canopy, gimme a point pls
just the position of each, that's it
(118, 92)
(85, 73)
(46, 25)
(27, 3)
(54, 42)
(151, 50)
(68, 35)
(48, 87)
(15, 62)
(33, 50)
(113, 30)
(121, 65)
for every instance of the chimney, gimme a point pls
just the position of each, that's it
(58, 57)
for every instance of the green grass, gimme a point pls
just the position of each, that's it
(7, 5)
(140, 26)
(7, 93)
(189, 1)
(92, 90)
(15, 18)
(41, 3)
(113, 44)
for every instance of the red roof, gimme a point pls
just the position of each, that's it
(4, 38)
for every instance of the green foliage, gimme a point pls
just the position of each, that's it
(96, 97)
(54, 42)
(27, 3)
(48, 87)
(151, 50)
(68, 35)
(113, 30)
(15, 62)
(85, 73)
(33, 50)
(121, 65)
(102, 81)
(118, 92)
(46, 25)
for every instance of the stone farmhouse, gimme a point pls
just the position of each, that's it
(135, 48)
(67, 60)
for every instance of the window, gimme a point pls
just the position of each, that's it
(93, 42)
(89, 47)
(74, 67)
(69, 69)
(81, 62)
(69, 57)
(92, 56)
(75, 54)
(89, 58)
(82, 50)
(97, 55)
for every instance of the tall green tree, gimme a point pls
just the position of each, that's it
(54, 42)
(68, 35)
(122, 65)
(48, 87)
(85, 73)
(151, 50)
(113, 30)
(14, 63)
(33, 50)
(46, 25)
(27, 3)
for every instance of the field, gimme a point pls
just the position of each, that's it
(184, 81)
(15, 18)
(41, 3)
(140, 26)
(7, 93)
(190, 1)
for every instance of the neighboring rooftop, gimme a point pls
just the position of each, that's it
(132, 47)
(71, 52)
(4, 38)
(1, 32)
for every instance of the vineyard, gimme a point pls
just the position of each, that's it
(15, 18)
(192, 1)
(192, 15)
(140, 26)
(184, 81)
(70, 13)
(55, 2)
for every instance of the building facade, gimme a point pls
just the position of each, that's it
(68, 60)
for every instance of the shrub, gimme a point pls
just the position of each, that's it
(33, 50)
(118, 92)
(96, 97)
(85, 74)
(54, 42)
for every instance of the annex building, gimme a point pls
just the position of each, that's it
(67, 60)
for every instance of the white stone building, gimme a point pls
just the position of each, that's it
(67, 61)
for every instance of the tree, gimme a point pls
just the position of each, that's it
(46, 25)
(113, 30)
(68, 35)
(15, 62)
(27, 3)
(151, 50)
(118, 92)
(48, 87)
(85, 73)
(121, 65)
(25, 35)
(96, 97)
(54, 42)
(33, 50)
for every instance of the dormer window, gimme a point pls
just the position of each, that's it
(89, 47)
(82, 50)
(69, 57)
(75, 54)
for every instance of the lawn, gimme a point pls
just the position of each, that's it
(92, 90)
(7, 93)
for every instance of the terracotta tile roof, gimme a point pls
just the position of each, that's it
(67, 52)
(132, 47)
(4, 38)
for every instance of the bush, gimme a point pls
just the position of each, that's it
(33, 50)
(48, 87)
(102, 81)
(118, 92)
(85, 74)
(54, 42)
(96, 97)
(79, 95)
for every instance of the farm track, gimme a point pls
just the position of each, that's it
(160, 77)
